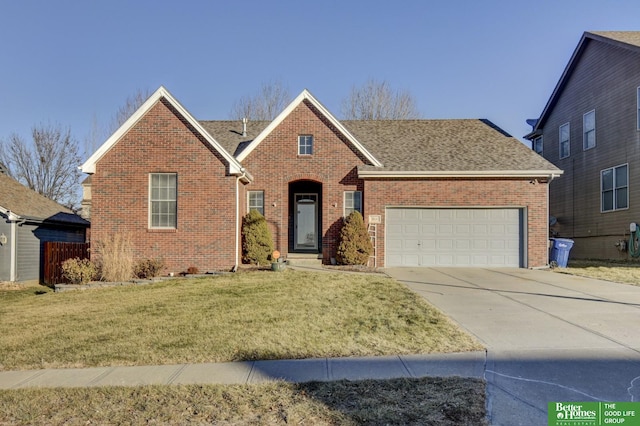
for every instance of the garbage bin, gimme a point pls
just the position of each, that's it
(560, 249)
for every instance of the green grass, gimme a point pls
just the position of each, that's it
(627, 272)
(435, 401)
(243, 316)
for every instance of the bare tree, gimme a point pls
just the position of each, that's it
(126, 110)
(99, 133)
(48, 163)
(272, 98)
(376, 100)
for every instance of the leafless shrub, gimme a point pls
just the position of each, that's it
(114, 257)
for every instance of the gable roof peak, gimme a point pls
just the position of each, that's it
(161, 93)
(306, 95)
(629, 40)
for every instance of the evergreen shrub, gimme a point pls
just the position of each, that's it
(257, 244)
(355, 245)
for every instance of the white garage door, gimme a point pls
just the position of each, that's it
(453, 237)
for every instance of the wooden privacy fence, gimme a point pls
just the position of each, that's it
(55, 253)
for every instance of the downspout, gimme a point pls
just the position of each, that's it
(235, 266)
(237, 260)
(13, 252)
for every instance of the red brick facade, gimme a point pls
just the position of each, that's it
(163, 141)
(330, 170)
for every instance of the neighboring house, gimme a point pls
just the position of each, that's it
(590, 128)
(433, 192)
(27, 220)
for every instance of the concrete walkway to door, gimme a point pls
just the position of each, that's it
(550, 337)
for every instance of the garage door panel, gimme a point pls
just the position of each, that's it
(453, 237)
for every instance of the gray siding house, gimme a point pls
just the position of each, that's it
(590, 128)
(27, 220)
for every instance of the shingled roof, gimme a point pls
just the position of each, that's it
(28, 204)
(627, 37)
(462, 145)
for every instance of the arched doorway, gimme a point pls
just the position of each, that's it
(305, 216)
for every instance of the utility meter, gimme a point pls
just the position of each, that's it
(632, 227)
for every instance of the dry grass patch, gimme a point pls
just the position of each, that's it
(627, 272)
(248, 316)
(427, 401)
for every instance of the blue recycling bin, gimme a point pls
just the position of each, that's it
(560, 251)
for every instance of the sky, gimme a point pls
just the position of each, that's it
(73, 63)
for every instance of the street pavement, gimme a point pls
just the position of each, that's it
(550, 337)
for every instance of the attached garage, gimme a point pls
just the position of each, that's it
(471, 237)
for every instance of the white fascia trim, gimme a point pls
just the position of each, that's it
(90, 165)
(301, 97)
(461, 174)
(11, 216)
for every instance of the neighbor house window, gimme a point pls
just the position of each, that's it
(615, 188)
(537, 145)
(564, 140)
(352, 202)
(305, 145)
(163, 200)
(589, 130)
(638, 105)
(256, 201)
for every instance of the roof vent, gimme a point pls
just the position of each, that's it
(244, 126)
(3, 169)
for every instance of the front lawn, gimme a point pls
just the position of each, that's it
(427, 401)
(627, 272)
(242, 316)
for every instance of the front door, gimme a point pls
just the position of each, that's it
(306, 222)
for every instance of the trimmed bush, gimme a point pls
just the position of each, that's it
(257, 244)
(148, 268)
(355, 245)
(78, 271)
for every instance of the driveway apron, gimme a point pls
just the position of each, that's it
(550, 337)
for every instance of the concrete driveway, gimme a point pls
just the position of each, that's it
(550, 337)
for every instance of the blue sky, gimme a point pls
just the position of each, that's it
(73, 62)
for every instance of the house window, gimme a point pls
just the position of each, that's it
(615, 188)
(305, 145)
(537, 145)
(564, 140)
(352, 202)
(163, 200)
(589, 130)
(256, 201)
(638, 105)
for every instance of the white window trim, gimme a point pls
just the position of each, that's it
(539, 138)
(344, 202)
(249, 201)
(300, 137)
(150, 202)
(613, 169)
(584, 130)
(568, 126)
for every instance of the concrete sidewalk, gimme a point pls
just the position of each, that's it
(466, 364)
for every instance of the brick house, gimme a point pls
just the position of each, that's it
(432, 192)
(590, 127)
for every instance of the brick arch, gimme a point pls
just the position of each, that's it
(315, 177)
